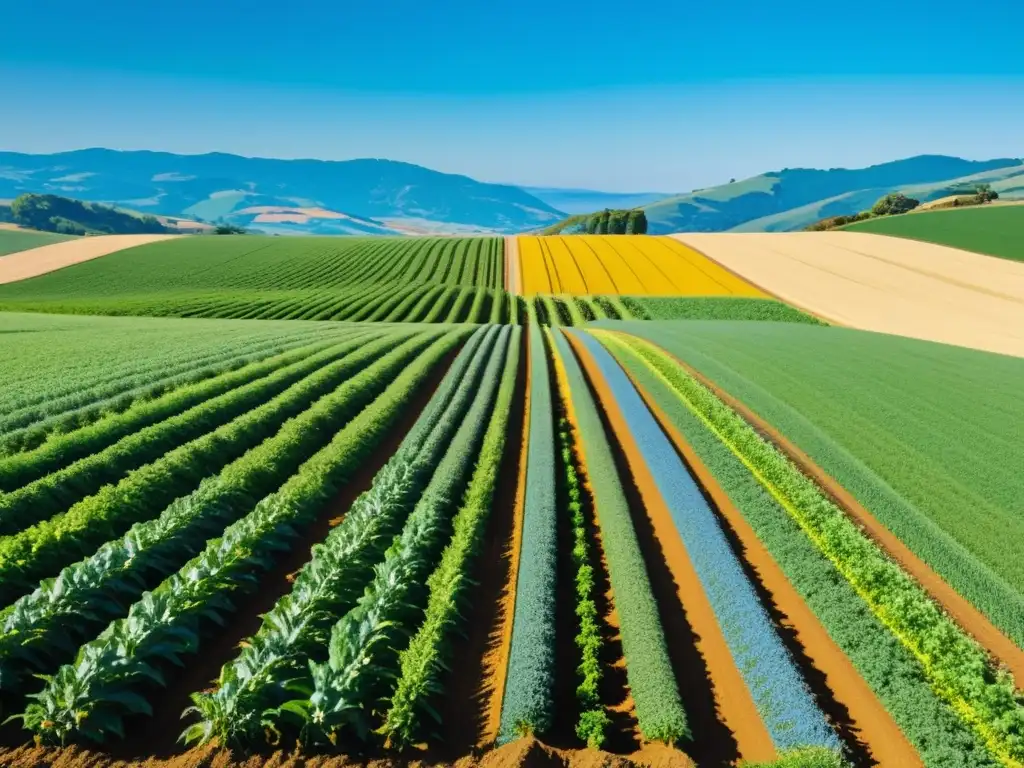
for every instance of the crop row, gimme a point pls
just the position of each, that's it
(49, 545)
(780, 694)
(956, 668)
(40, 626)
(428, 657)
(111, 676)
(363, 661)
(888, 667)
(298, 626)
(652, 683)
(527, 704)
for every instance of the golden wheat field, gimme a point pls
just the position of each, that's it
(622, 264)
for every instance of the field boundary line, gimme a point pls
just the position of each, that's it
(770, 293)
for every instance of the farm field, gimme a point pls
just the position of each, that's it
(307, 278)
(63, 252)
(13, 239)
(448, 537)
(992, 229)
(621, 265)
(885, 284)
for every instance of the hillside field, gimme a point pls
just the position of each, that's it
(513, 502)
(13, 240)
(995, 230)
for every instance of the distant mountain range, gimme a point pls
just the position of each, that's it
(792, 198)
(329, 197)
(389, 197)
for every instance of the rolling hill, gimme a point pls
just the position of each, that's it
(792, 198)
(221, 186)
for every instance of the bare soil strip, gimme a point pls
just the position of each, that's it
(47, 258)
(465, 708)
(852, 706)
(157, 735)
(495, 663)
(884, 284)
(1003, 650)
(699, 655)
(513, 280)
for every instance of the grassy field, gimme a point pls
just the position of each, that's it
(15, 240)
(994, 229)
(395, 279)
(925, 436)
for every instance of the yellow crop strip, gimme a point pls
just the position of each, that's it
(625, 265)
(638, 348)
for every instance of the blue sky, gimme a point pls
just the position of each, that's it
(662, 96)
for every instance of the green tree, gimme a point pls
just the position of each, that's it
(637, 224)
(894, 203)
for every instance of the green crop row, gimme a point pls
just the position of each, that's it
(715, 308)
(889, 668)
(593, 719)
(68, 415)
(364, 646)
(428, 657)
(64, 449)
(652, 682)
(957, 669)
(42, 627)
(56, 492)
(89, 699)
(296, 630)
(527, 704)
(48, 546)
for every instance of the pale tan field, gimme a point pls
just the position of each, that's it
(886, 284)
(39, 261)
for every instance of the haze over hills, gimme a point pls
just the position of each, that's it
(373, 196)
(588, 200)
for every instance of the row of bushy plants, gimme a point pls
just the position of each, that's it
(41, 627)
(56, 492)
(527, 702)
(956, 667)
(652, 683)
(48, 546)
(112, 676)
(297, 628)
(363, 659)
(428, 658)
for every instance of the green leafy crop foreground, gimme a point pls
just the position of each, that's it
(46, 547)
(527, 704)
(89, 699)
(54, 493)
(43, 629)
(956, 668)
(652, 682)
(252, 687)
(428, 657)
(363, 660)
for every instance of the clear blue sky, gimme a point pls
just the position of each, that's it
(662, 95)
